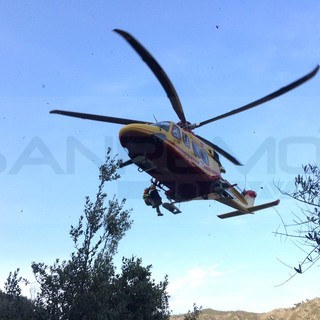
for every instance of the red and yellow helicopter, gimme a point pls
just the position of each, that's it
(184, 164)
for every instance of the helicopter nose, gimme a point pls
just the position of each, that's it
(140, 139)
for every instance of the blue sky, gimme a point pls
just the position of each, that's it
(219, 55)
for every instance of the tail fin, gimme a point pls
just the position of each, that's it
(250, 197)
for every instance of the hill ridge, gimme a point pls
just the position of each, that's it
(306, 310)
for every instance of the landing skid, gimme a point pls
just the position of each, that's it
(171, 207)
(249, 210)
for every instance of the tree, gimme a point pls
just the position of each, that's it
(305, 225)
(87, 286)
(17, 308)
(136, 295)
(12, 304)
(194, 314)
(12, 286)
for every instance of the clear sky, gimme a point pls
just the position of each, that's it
(219, 55)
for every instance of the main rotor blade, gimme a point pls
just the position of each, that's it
(224, 153)
(158, 72)
(271, 96)
(97, 117)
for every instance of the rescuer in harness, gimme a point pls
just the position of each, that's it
(152, 198)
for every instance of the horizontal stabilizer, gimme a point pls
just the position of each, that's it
(249, 210)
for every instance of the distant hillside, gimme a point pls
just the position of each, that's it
(308, 310)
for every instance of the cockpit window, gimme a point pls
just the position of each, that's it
(163, 125)
(176, 132)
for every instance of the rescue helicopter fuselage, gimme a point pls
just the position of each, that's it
(188, 168)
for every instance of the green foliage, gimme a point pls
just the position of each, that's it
(12, 304)
(136, 295)
(12, 285)
(14, 307)
(308, 186)
(305, 225)
(194, 314)
(87, 286)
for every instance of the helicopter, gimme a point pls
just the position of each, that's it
(183, 164)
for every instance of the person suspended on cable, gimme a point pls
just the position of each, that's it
(152, 198)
